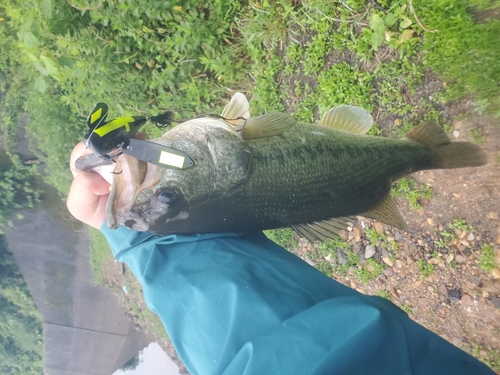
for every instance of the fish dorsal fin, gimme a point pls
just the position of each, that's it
(267, 125)
(348, 118)
(323, 230)
(387, 212)
(237, 109)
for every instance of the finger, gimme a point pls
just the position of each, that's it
(79, 150)
(88, 197)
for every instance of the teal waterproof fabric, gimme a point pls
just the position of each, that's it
(240, 304)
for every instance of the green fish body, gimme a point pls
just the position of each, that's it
(272, 171)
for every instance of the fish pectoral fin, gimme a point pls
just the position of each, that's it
(348, 118)
(387, 212)
(237, 110)
(323, 230)
(267, 125)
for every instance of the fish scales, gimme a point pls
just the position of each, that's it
(339, 174)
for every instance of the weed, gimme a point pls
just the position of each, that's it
(461, 225)
(491, 358)
(384, 294)
(412, 191)
(283, 237)
(380, 239)
(425, 268)
(475, 136)
(487, 260)
(407, 308)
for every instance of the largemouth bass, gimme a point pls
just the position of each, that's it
(272, 172)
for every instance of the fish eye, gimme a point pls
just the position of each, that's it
(167, 196)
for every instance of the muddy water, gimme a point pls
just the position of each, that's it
(85, 328)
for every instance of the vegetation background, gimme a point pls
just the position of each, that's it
(140, 56)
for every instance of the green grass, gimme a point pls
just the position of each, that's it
(425, 268)
(412, 191)
(100, 253)
(492, 358)
(487, 260)
(283, 237)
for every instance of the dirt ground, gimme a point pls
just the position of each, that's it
(459, 301)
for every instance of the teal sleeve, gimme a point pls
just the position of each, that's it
(240, 304)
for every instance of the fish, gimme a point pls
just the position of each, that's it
(272, 171)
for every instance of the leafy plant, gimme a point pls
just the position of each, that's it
(412, 191)
(283, 237)
(487, 260)
(426, 269)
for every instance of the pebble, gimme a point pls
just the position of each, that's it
(403, 272)
(433, 261)
(443, 290)
(493, 216)
(457, 342)
(398, 237)
(496, 273)
(394, 292)
(430, 221)
(388, 272)
(370, 268)
(454, 294)
(369, 251)
(341, 256)
(379, 227)
(387, 261)
(430, 289)
(450, 258)
(496, 302)
(357, 234)
(476, 280)
(460, 258)
(470, 237)
(466, 300)
(456, 195)
(399, 264)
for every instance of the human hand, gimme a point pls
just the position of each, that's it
(88, 194)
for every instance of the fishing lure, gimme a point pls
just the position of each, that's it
(110, 139)
(104, 138)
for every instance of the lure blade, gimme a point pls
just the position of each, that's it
(97, 116)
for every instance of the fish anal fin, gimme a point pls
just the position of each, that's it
(323, 230)
(267, 125)
(387, 212)
(348, 118)
(237, 109)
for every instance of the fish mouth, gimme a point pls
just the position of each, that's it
(128, 202)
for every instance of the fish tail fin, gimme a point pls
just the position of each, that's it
(448, 154)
